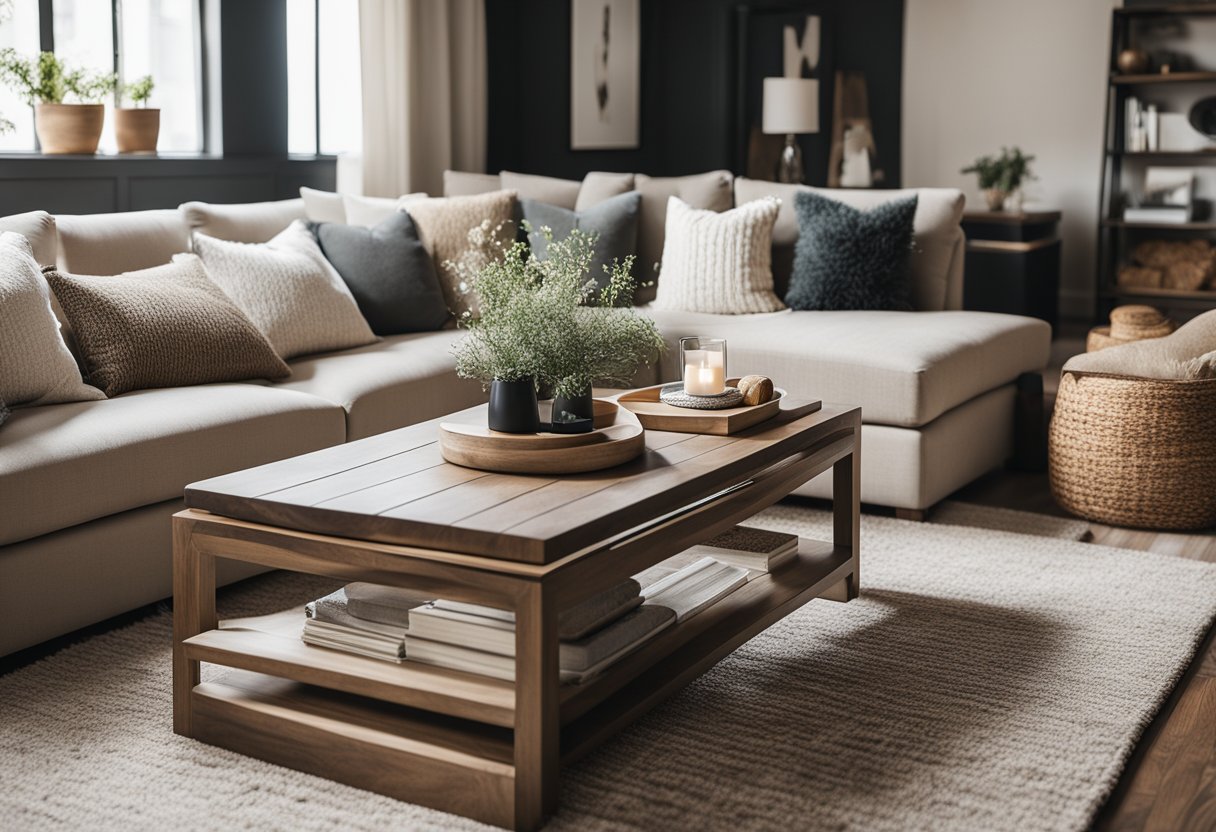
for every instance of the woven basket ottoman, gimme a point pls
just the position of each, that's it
(1135, 451)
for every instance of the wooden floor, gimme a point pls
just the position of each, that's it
(1170, 783)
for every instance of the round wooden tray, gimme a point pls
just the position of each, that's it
(617, 438)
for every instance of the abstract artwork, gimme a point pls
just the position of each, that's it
(604, 74)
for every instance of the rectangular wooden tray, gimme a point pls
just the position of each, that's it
(656, 415)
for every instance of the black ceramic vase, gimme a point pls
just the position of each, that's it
(576, 413)
(513, 406)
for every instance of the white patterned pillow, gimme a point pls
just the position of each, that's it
(289, 290)
(35, 365)
(719, 262)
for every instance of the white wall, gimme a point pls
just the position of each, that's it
(980, 74)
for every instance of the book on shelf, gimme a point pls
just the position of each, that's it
(573, 623)
(459, 638)
(1175, 215)
(328, 622)
(1168, 197)
(577, 660)
(756, 549)
(694, 587)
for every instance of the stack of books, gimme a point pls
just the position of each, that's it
(396, 625)
(365, 619)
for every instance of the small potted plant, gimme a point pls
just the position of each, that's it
(543, 322)
(1001, 177)
(137, 128)
(45, 83)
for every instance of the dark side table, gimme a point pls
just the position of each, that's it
(1013, 263)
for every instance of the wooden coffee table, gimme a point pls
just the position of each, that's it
(389, 510)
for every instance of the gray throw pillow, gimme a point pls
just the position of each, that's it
(389, 272)
(614, 220)
(4, 411)
(851, 259)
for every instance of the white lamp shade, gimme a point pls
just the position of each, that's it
(791, 105)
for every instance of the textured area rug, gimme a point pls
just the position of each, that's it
(985, 680)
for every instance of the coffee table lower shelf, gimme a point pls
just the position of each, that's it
(443, 738)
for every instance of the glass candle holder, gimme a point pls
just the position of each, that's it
(704, 363)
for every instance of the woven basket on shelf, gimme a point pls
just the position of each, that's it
(1135, 451)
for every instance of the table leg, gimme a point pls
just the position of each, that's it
(193, 613)
(846, 515)
(537, 722)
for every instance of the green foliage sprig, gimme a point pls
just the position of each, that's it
(1005, 172)
(47, 80)
(139, 91)
(547, 320)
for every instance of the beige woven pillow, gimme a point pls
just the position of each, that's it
(167, 326)
(289, 290)
(719, 262)
(444, 224)
(35, 365)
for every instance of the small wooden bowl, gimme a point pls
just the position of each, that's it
(618, 438)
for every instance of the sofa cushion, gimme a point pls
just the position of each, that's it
(903, 368)
(116, 243)
(247, 222)
(402, 380)
(710, 191)
(719, 262)
(65, 464)
(548, 189)
(39, 228)
(167, 326)
(35, 365)
(935, 228)
(322, 206)
(464, 183)
(370, 211)
(599, 186)
(289, 290)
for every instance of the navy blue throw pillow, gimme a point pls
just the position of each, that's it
(851, 259)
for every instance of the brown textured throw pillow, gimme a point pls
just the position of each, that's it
(168, 326)
(444, 224)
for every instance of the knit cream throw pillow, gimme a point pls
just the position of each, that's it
(719, 262)
(289, 290)
(35, 365)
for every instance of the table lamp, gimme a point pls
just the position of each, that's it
(791, 106)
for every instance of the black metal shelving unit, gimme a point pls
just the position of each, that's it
(1117, 237)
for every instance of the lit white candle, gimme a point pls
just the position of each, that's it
(704, 374)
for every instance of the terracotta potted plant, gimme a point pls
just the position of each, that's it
(45, 82)
(1001, 177)
(137, 128)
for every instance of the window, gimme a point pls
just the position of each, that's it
(155, 37)
(19, 31)
(324, 95)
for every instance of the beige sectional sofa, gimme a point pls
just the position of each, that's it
(86, 489)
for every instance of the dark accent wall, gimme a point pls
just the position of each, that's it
(688, 84)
